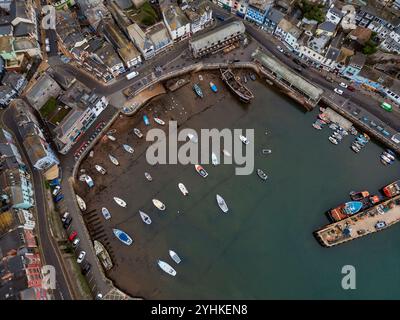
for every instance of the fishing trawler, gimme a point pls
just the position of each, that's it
(392, 189)
(345, 210)
(236, 86)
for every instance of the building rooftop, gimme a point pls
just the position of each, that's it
(34, 147)
(360, 34)
(261, 5)
(108, 56)
(217, 34)
(275, 15)
(288, 27)
(358, 59)
(327, 26)
(175, 17)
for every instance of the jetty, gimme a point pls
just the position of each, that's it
(236, 86)
(371, 220)
(103, 255)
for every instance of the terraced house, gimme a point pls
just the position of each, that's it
(257, 10)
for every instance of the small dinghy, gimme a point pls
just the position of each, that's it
(214, 159)
(159, 205)
(183, 189)
(262, 174)
(120, 202)
(333, 140)
(222, 204)
(159, 121)
(146, 120)
(145, 217)
(166, 268)
(128, 148)
(112, 138)
(213, 87)
(113, 159)
(138, 133)
(148, 176)
(106, 213)
(174, 256)
(89, 181)
(123, 237)
(100, 169)
(201, 171)
(266, 151)
(81, 203)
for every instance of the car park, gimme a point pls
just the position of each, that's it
(81, 257)
(72, 236)
(338, 91)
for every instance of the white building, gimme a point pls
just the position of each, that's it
(177, 23)
(334, 15)
(288, 33)
(392, 42)
(199, 14)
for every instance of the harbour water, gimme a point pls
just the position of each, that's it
(264, 247)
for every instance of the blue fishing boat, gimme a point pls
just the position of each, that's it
(146, 120)
(123, 237)
(198, 90)
(352, 207)
(213, 87)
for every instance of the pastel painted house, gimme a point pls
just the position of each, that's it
(257, 10)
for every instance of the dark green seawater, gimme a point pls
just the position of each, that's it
(264, 248)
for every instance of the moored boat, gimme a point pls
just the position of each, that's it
(113, 159)
(89, 181)
(148, 176)
(158, 204)
(106, 213)
(128, 148)
(201, 171)
(112, 138)
(198, 90)
(253, 76)
(159, 121)
(123, 237)
(214, 159)
(138, 133)
(262, 174)
(100, 169)
(333, 140)
(213, 87)
(355, 148)
(120, 202)
(266, 151)
(81, 203)
(358, 196)
(222, 204)
(166, 268)
(174, 256)
(145, 217)
(389, 155)
(316, 126)
(146, 120)
(345, 210)
(183, 189)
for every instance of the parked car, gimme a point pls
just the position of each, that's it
(81, 257)
(72, 236)
(329, 79)
(58, 198)
(351, 88)
(280, 49)
(65, 216)
(386, 133)
(67, 222)
(56, 190)
(338, 91)
(86, 268)
(343, 85)
(76, 242)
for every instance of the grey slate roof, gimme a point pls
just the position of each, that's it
(327, 26)
(275, 15)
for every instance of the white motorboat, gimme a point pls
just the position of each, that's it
(244, 139)
(120, 202)
(106, 213)
(214, 159)
(81, 203)
(192, 137)
(89, 181)
(112, 138)
(166, 268)
(128, 148)
(91, 154)
(159, 121)
(145, 217)
(333, 140)
(100, 169)
(138, 133)
(148, 176)
(113, 159)
(159, 205)
(385, 158)
(333, 126)
(174, 256)
(317, 126)
(222, 204)
(183, 189)
(227, 153)
(388, 155)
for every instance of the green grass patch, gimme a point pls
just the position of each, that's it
(49, 108)
(146, 15)
(60, 115)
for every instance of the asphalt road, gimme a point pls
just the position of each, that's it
(46, 241)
